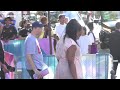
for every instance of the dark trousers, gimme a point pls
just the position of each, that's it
(31, 73)
(2, 74)
(115, 64)
(55, 42)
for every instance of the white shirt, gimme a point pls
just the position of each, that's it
(60, 30)
(84, 43)
(91, 37)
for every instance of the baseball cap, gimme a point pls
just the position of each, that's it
(37, 24)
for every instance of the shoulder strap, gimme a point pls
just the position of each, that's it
(89, 32)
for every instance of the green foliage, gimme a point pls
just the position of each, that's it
(109, 15)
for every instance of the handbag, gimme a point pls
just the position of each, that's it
(93, 48)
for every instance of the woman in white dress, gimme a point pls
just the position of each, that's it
(68, 53)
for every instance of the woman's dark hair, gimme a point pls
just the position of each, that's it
(22, 23)
(90, 26)
(117, 25)
(72, 28)
(84, 28)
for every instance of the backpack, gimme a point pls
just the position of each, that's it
(104, 38)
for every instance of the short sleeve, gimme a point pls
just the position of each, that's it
(30, 46)
(56, 30)
(89, 41)
(91, 38)
(69, 43)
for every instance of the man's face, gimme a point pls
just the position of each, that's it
(39, 31)
(62, 19)
(8, 21)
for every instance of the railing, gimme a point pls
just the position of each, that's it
(95, 66)
(16, 47)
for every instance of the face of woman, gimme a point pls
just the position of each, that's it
(83, 32)
(79, 34)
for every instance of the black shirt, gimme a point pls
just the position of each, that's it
(23, 32)
(114, 44)
(9, 33)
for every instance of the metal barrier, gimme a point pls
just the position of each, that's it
(97, 66)
(51, 62)
(16, 47)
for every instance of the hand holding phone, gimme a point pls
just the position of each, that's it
(43, 73)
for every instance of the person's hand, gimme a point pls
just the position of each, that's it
(37, 72)
(56, 37)
(4, 67)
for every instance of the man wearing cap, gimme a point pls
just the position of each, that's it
(34, 62)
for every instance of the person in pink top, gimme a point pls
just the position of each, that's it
(68, 53)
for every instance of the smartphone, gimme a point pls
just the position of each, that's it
(43, 73)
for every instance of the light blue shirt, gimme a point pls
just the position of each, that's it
(32, 47)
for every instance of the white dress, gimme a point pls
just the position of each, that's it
(63, 70)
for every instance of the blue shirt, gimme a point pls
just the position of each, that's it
(32, 47)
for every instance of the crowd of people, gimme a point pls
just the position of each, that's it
(71, 41)
(66, 43)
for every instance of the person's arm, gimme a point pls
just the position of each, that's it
(1, 53)
(1, 35)
(30, 61)
(56, 33)
(14, 32)
(71, 57)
